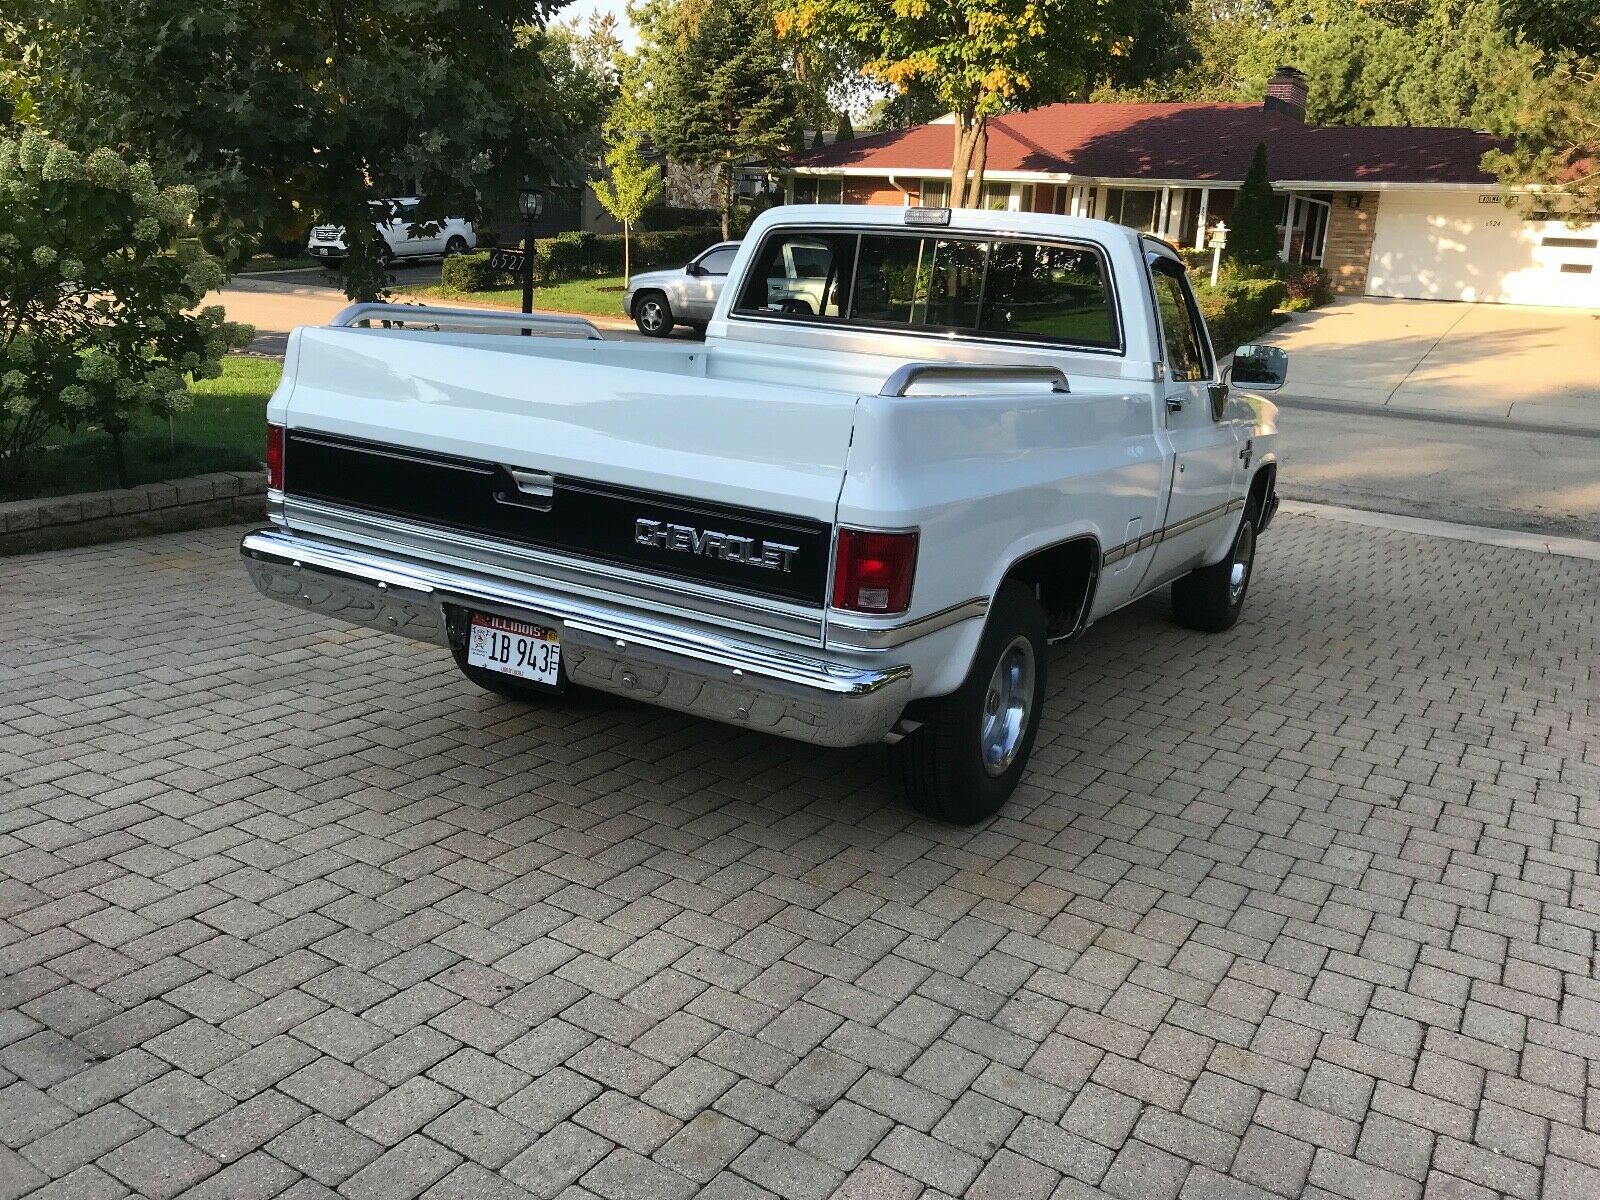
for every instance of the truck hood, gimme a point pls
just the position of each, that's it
(643, 279)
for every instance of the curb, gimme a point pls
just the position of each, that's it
(57, 522)
(1438, 416)
(1483, 535)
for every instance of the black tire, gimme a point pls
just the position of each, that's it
(385, 255)
(652, 314)
(944, 767)
(456, 245)
(1210, 599)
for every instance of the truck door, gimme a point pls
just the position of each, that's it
(1205, 454)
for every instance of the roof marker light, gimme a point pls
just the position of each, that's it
(927, 216)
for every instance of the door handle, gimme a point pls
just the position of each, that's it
(1174, 403)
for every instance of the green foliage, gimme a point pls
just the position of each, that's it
(1305, 287)
(846, 132)
(1253, 237)
(273, 108)
(981, 57)
(1238, 311)
(727, 93)
(634, 185)
(580, 256)
(95, 326)
(1556, 129)
(669, 217)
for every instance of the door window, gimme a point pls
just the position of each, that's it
(1187, 361)
(717, 262)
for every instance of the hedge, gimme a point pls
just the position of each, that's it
(580, 256)
(1238, 310)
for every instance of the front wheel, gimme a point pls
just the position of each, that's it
(1210, 599)
(456, 245)
(973, 745)
(653, 315)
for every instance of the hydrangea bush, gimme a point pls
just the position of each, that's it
(98, 310)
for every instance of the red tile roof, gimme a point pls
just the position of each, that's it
(1178, 141)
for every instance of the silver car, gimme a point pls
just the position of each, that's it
(659, 300)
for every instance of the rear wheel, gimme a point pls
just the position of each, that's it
(1210, 599)
(456, 245)
(967, 757)
(653, 315)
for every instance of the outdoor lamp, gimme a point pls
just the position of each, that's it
(1353, 199)
(530, 203)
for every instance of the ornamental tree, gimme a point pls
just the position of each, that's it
(1253, 239)
(633, 187)
(981, 57)
(96, 324)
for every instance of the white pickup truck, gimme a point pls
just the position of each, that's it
(862, 521)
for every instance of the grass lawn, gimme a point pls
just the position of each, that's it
(225, 430)
(594, 297)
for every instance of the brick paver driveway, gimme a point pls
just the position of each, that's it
(1308, 909)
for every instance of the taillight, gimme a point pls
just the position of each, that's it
(275, 457)
(872, 572)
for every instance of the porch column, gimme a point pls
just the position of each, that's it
(1288, 228)
(1200, 228)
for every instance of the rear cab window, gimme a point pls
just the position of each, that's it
(981, 286)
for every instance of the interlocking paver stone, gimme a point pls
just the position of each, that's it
(1302, 910)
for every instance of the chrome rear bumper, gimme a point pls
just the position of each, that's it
(603, 646)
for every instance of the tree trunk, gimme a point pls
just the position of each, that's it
(971, 144)
(627, 265)
(727, 197)
(116, 429)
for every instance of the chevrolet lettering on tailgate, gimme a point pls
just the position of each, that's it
(730, 547)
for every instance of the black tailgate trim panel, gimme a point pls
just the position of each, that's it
(583, 517)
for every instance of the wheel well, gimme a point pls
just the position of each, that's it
(1063, 577)
(1260, 489)
(641, 294)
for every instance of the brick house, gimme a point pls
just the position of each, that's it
(1395, 211)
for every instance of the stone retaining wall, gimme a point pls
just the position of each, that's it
(53, 522)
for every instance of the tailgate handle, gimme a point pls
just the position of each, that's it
(535, 489)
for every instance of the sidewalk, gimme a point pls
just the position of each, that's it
(1482, 363)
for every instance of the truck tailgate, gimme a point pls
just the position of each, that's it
(581, 450)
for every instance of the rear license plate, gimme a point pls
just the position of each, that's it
(529, 652)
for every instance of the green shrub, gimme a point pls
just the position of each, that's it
(580, 255)
(472, 273)
(669, 217)
(1239, 310)
(1307, 287)
(98, 320)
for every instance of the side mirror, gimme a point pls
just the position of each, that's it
(1259, 368)
(694, 269)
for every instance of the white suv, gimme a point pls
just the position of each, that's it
(454, 236)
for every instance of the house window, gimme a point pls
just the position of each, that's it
(1133, 207)
(805, 189)
(935, 193)
(996, 196)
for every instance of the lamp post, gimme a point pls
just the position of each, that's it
(1219, 239)
(530, 203)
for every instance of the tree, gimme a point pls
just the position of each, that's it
(1555, 131)
(980, 57)
(634, 186)
(727, 95)
(277, 110)
(95, 320)
(1253, 238)
(845, 132)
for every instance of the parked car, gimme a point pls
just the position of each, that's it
(659, 301)
(454, 235)
(864, 520)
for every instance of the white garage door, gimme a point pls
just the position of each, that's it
(1467, 246)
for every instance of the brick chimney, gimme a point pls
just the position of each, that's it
(1286, 93)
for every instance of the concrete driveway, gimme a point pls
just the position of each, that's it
(1526, 366)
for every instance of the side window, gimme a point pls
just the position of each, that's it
(799, 273)
(1180, 330)
(1056, 292)
(718, 261)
